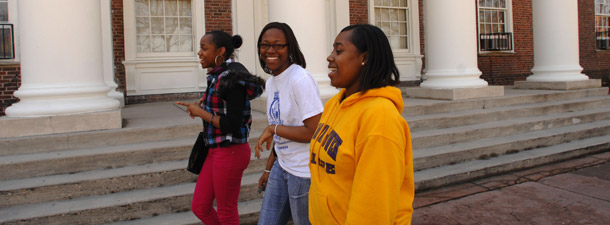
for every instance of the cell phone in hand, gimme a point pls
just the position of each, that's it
(261, 188)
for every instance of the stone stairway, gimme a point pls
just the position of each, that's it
(136, 175)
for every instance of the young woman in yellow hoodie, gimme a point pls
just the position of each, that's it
(361, 158)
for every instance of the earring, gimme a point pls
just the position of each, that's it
(216, 58)
(266, 69)
(362, 63)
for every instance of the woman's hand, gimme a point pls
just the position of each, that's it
(266, 137)
(193, 109)
(262, 182)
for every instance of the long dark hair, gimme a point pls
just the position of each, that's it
(294, 52)
(380, 69)
(223, 39)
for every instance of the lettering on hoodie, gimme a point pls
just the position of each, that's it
(330, 141)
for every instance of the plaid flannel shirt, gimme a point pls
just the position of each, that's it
(211, 102)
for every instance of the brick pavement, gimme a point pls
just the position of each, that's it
(576, 191)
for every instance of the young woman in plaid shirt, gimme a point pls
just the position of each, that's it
(226, 114)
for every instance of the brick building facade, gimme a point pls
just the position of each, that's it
(498, 68)
(596, 63)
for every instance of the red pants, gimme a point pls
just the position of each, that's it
(220, 178)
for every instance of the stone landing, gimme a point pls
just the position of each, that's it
(26, 126)
(559, 85)
(455, 94)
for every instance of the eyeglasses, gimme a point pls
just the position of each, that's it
(266, 46)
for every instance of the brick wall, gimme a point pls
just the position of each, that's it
(595, 63)
(358, 12)
(422, 40)
(218, 15)
(506, 68)
(10, 80)
(118, 42)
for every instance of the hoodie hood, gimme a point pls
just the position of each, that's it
(389, 92)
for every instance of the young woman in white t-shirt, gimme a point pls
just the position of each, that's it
(294, 109)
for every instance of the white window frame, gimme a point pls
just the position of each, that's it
(409, 60)
(197, 12)
(604, 26)
(140, 66)
(152, 54)
(13, 19)
(508, 28)
(411, 26)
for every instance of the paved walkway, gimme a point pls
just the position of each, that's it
(571, 192)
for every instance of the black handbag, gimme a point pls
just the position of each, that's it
(198, 155)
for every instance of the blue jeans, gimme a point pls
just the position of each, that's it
(285, 195)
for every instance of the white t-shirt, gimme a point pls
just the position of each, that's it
(292, 97)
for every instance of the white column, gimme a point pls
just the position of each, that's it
(311, 24)
(61, 59)
(451, 45)
(556, 50)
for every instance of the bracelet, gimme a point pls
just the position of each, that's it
(267, 171)
(212, 119)
(275, 130)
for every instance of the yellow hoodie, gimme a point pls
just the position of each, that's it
(361, 161)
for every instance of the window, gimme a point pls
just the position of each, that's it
(6, 41)
(160, 47)
(6, 33)
(164, 26)
(602, 24)
(392, 17)
(399, 20)
(494, 32)
(3, 10)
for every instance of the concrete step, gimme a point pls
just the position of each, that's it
(183, 128)
(491, 147)
(467, 117)
(181, 218)
(120, 206)
(248, 214)
(71, 161)
(451, 135)
(79, 160)
(92, 139)
(105, 181)
(101, 209)
(95, 182)
(512, 96)
(462, 172)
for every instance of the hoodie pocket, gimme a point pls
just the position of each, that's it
(320, 210)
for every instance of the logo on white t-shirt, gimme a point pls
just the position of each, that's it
(275, 118)
(274, 109)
